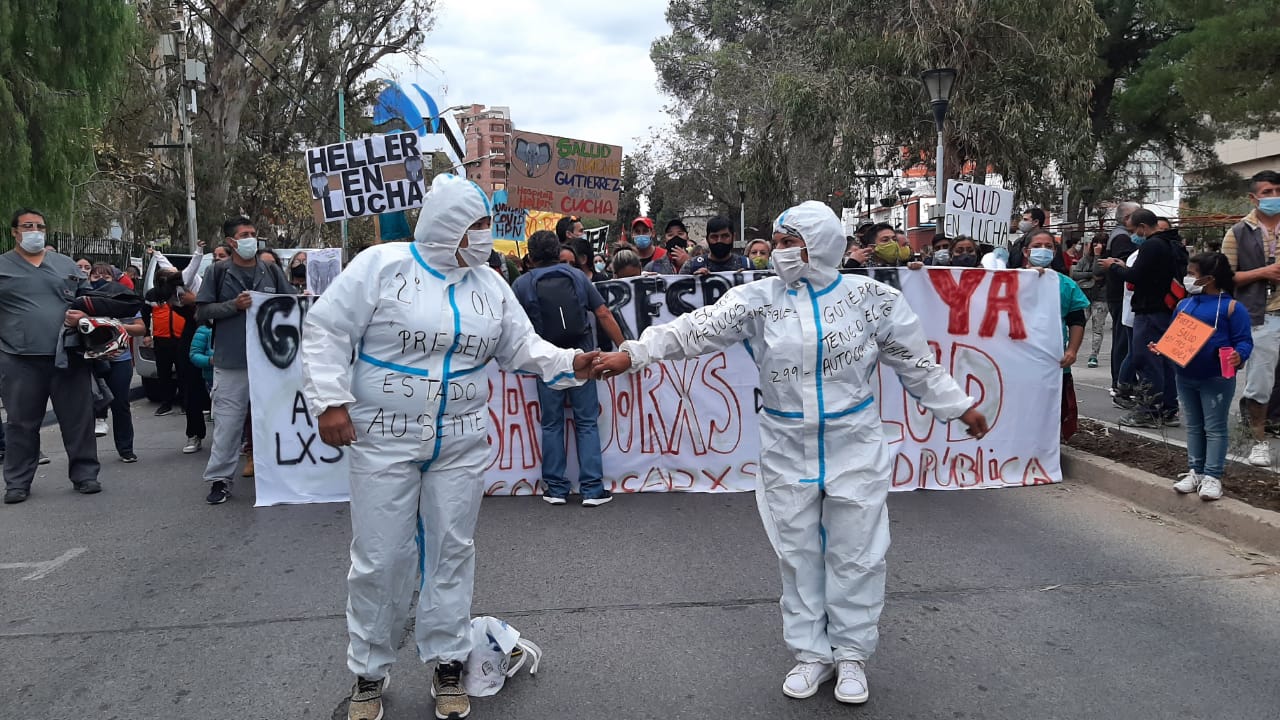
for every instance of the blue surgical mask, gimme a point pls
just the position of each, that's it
(599, 267)
(643, 241)
(1137, 239)
(1269, 206)
(1041, 257)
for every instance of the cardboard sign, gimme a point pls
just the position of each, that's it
(980, 211)
(372, 175)
(1184, 338)
(564, 176)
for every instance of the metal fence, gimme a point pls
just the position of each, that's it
(116, 252)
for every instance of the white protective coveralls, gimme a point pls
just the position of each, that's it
(421, 330)
(824, 466)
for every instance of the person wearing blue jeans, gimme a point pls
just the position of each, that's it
(560, 299)
(585, 402)
(1152, 369)
(1203, 387)
(1156, 273)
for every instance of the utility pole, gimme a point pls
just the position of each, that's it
(342, 137)
(184, 121)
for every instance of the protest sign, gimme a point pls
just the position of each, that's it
(323, 266)
(1184, 338)
(536, 220)
(369, 176)
(508, 220)
(291, 464)
(691, 426)
(980, 211)
(564, 176)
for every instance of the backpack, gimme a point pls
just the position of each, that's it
(561, 319)
(1176, 292)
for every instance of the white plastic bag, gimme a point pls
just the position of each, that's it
(498, 652)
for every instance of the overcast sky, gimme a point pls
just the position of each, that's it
(575, 68)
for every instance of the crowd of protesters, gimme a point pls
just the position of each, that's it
(1139, 275)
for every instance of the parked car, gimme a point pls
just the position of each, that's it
(144, 357)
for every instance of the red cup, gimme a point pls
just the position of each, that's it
(1224, 356)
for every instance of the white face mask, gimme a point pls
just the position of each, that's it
(1025, 226)
(32, 241)
(789, 265)
(479, 247)
(246, 248)
(1189, 283)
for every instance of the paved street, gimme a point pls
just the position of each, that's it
(143, 602)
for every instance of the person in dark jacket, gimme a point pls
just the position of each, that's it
(1119, 245)
(1158, 266)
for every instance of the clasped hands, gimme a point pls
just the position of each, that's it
(596, 365)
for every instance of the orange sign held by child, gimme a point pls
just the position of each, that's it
(1184, 338)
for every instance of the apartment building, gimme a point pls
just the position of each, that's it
(487, 134)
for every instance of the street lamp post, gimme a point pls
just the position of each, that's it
(938, 82)
(742, 210)
(904, 194)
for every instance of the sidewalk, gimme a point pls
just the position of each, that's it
(1093, 396)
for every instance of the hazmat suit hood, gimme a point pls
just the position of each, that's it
(451, 206)
(823, 235)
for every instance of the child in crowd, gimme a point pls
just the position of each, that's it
(1207, 384)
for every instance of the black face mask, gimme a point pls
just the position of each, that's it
(299, 271)
(720, 250)
(965, 260)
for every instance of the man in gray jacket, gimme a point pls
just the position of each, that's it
(224, 298)
(37, 287)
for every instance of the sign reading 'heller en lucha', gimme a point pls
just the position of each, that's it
(369, 176)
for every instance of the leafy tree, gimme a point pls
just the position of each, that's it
(274, 71)
(795, 98)
(60, 66)
(1175, 77)
(629, 199)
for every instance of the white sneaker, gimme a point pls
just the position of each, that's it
(1188, 482)
(554, 500)
(100, 427)
(1210, 488)
(192, 446)
(851, 687)
(805, 677)
(1260, 455)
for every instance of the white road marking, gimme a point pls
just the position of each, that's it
(41, 569)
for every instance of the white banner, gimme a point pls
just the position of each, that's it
(980, 211)
(691, 425)
(290, 463)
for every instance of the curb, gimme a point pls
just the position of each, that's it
(1232, 519)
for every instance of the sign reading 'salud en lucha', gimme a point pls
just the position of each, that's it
(564, 176)
(367, 176)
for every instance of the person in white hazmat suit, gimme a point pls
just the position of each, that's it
(817, 337)
(393, 357)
